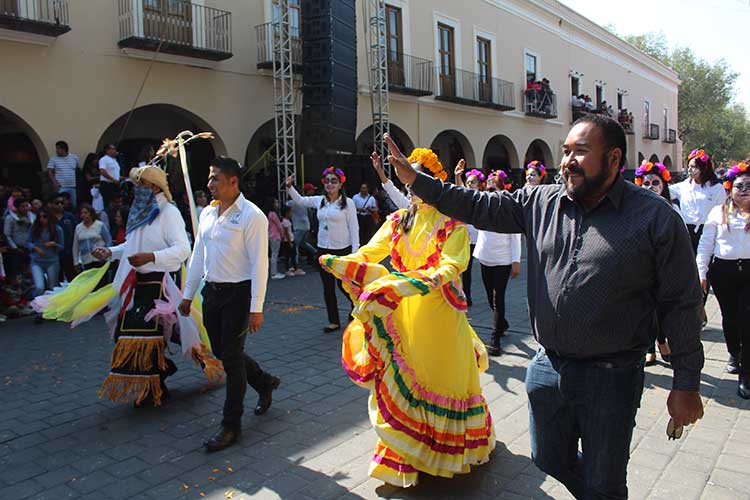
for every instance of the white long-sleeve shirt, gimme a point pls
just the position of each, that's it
(724, 241)
(165, 237)
(495, 249)
(337, 228)
(397, 197)
(231, 248)
(696, 201)
(473, 234)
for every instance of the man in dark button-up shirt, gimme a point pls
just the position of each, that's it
(609, 265)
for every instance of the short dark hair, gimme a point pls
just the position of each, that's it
(17, 202)
(53, 197)
(109, 146)
(89, 209)
(228, 166)
(62, 145)
(612, 131)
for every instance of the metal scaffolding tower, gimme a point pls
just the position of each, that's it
(378, 60)
(283, 94)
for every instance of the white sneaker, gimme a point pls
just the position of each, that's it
(278, 276)
(299, 272)
(289, 273)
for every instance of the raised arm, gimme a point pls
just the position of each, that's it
(305, 201)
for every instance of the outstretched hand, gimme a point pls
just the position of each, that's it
(289, 181)
(460, 166)
(377, 164)
(404, 170)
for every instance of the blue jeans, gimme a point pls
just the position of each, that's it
(300, 241)
(594, 402)
(72, 191)
(38, 270)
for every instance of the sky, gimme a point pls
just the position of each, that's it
(725, 24)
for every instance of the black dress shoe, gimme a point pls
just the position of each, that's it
(331, 328)
(264, 401)
(743, 388)
(224, 438)
(732, 366)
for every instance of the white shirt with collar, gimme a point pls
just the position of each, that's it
(696, 201)
(495, 249)
(364, 204)
(724, 241)
(165, 237)
(109, 165)
(337, 228)
(397, 197)
(231, 248)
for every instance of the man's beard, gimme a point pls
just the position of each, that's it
(591, 183)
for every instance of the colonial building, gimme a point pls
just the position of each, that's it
(132, 72)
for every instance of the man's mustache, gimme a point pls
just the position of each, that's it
(573, 169)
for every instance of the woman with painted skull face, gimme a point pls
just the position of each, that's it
(338, 230)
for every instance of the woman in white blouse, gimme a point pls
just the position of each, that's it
(500, 258)
(338, 231)
(726, 238)
(698, 194)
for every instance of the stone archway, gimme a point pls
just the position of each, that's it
(402, 139)
(667, 161)
(451, 146)
(641, 159)
(653, 159)
(538, 150)
(22, 153)
(149, 125)
(260, 158)
(500, 154)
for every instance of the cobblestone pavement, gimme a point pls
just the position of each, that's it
(59, 441)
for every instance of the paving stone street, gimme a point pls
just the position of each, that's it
(58, 440)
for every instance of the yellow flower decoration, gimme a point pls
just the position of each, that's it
(429, 160)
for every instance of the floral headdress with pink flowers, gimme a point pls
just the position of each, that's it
(537, 165)
(700, 154)
(478, 173)
(335, 171)
(654, 168)
(502, 177)
(734, 172)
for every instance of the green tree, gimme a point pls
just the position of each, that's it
(708, 114)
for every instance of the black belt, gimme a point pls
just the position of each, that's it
(217, 287)
(734, 262)
(615, 360)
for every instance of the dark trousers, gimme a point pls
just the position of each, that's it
(67, 268)
(466, 275)
(329, 286)
(14, 264)
(730, 280)
(366, 227)
(495, 279)
(226, 316)
(108, 191)
(594, 402)
(695, 238)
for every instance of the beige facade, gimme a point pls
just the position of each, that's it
(80, 85)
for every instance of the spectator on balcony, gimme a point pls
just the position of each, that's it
(588, 104)
(577, 101)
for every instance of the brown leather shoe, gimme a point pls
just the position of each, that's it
(224, 438)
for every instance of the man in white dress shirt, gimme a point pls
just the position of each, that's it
(156, 243)
(231, 253)
(366, 205)
(109, 174)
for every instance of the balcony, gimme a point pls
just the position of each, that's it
(39, 17)
(175, 27)
(652, 132)
(540, 103)
(473, 89)
(671, 137)
(265, 35)
(410, 75)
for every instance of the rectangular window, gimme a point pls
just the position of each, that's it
(484, 65)
(599, 96)
(666, 122)
(447, 62)
(620, 101)
(295, 15)
(531, 68)
(575, 86)
(394, 36)
(646, 114)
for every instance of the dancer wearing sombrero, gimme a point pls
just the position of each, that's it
(412, 346)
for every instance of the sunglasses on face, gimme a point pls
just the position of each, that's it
(330, 181)
(648, 184)
(742, 186)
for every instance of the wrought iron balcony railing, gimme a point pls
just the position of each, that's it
(175, 27)
(540, 103)
(473, 89)
(41, 17)
(265, 34)
(651, 132)
(410, 75)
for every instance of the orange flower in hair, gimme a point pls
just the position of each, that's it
(429, 160)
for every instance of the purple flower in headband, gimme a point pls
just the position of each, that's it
(476, 172)
(536, 164)
(699, 154)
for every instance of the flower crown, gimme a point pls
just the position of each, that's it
(502, 177)
(700, 154)
(648, 168)
(537, 165)
(429, 160)
(335, 171)
(476, 172)
(734, 172)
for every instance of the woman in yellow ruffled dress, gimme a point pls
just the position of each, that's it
(412, 346)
